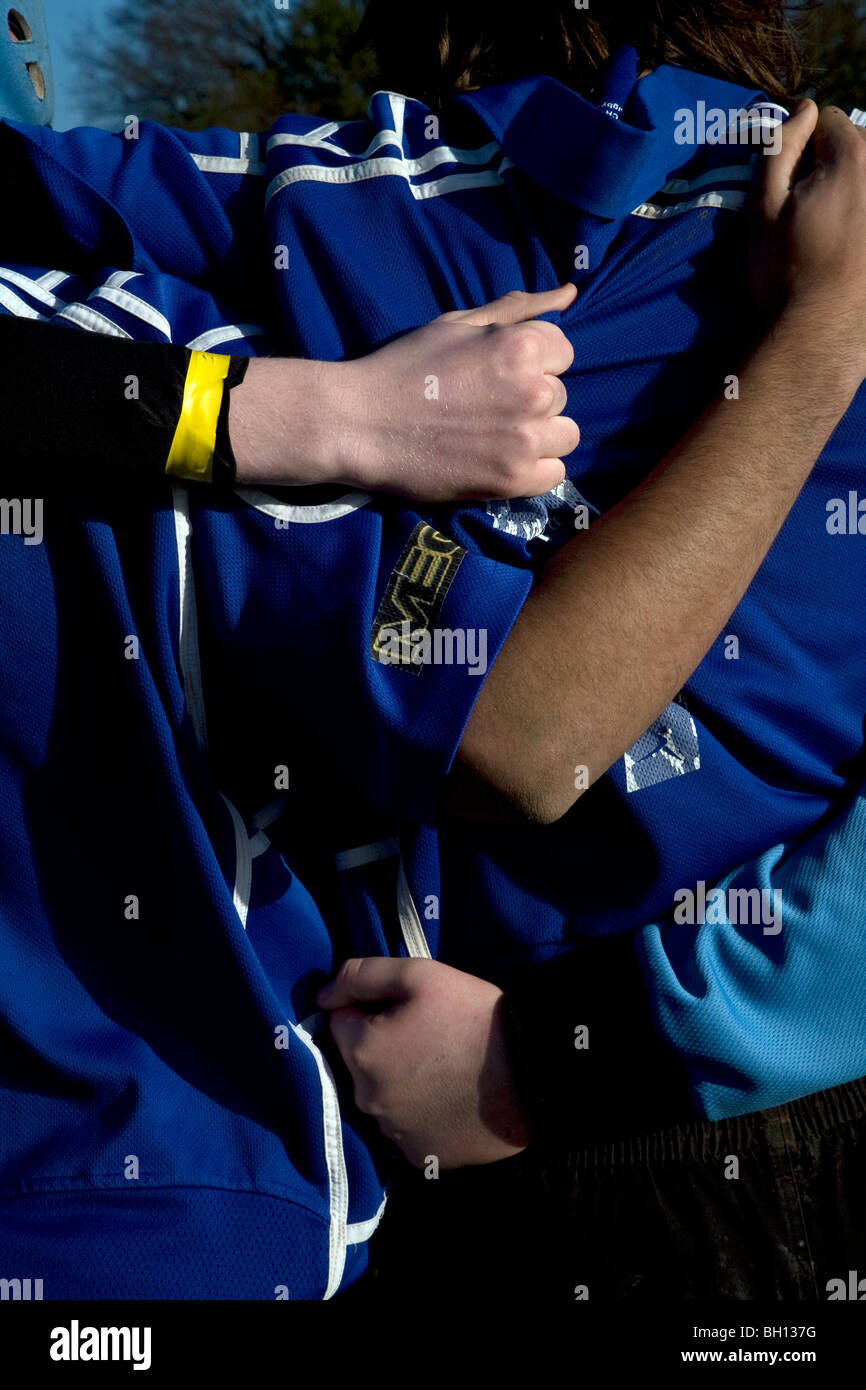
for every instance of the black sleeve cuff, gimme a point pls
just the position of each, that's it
(613, 1078)
(81, 404)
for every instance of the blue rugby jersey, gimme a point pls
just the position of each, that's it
(172, 1125)
(373, 227)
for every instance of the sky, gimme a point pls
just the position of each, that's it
(64, 17)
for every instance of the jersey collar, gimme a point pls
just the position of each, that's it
(577, 152)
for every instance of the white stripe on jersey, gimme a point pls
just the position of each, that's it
(37, 289)
(131, 304)
(225, 164)
(11, 301)
(231, 333)
(730, 198)
(375, 168)
(94, 322)
(190, 670)
(311, 515)
(335, 1159)
(360, 1231)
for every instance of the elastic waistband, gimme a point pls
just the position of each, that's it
(703, 1140)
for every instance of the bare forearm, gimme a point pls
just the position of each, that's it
(289, 425)
(624, 613)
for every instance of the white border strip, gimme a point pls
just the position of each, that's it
(733, 200)
(243, 864)
(94, 322)
(366, 854)
(376, 168)
(225, 164)
(131, 304)
(188, 655)
(335, 1159)
(13, 302)
(360, 1231)
(229, 333)
(410, 922)
(37, 289)
(315, 513)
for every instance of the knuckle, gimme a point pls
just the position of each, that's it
(523, 445)
(520, 347)
(538, 395)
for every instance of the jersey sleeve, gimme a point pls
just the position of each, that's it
(84, 403)
(149, 199)
(356, 633)
(711, 1018)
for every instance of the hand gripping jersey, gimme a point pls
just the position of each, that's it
(326, 240)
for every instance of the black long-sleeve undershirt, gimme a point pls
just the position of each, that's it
(74, 403)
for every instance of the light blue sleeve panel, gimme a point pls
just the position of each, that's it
(773, 1008)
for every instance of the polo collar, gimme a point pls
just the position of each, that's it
(577, 152)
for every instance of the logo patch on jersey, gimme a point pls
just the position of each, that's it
(669, 748)
(416, 591)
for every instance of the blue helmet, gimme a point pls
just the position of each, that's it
(26, 82)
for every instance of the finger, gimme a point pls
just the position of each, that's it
(557, 353)
(348, 1026)
(558, 395)
(547, 474)
(780, 172)
(834, 133)
(519, 305)
(558, 437)
(365, 980)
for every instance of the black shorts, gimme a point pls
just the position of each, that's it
(766, 1206)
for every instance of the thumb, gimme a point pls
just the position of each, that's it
(365, 980)
(780, 170)
(833, 132)
(517, 306)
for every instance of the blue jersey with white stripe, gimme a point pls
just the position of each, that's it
(370, 229)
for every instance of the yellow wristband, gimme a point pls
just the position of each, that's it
(192, 449)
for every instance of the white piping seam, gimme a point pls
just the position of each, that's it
(732, 200)
(397, 104)
(190, 671)
(259, 845)
(315, 1022)
(118, 278)
(284, 511)
(735, 173)
(360, 1231)
(92, 320)
(225, 164)
(268, 814)
(376, 168)
(16, 306)
(440, 154)
(335, 1160)
(34, 288)
(410, 922)
(52, 278)
(365, 854)
(243, 864)
(131, 304)
(315, 141)
(190, 666)
(229, 333)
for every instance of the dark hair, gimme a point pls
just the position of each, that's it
(432, 49)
